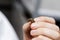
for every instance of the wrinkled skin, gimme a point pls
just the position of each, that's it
(44, 28)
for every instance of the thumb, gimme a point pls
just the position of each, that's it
(26, 31)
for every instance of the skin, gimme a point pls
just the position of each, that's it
(44, 28)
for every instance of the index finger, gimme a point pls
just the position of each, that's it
(45, 19)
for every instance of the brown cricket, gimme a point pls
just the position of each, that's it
(31, 20)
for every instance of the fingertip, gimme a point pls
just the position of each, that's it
(34, 25)
(32, 32)
(26, 26)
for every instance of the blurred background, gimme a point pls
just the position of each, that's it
(18, 11)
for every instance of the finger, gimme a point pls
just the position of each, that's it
(45, 19)
(45, 31)
(41, 38)
(26, 26)
(44, 25)
(26, 31)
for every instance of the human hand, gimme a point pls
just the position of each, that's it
(44, 28)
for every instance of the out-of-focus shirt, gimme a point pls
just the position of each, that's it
(6, 30)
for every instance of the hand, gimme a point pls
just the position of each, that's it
(44, 28)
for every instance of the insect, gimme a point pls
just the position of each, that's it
(31, 20)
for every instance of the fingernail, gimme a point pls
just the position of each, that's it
(33, 32)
